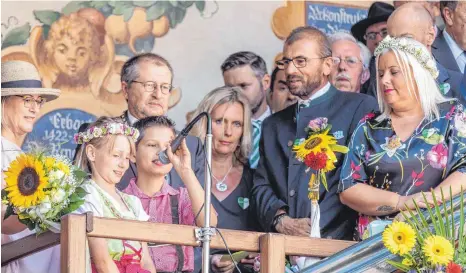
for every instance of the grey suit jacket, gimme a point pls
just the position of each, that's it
(197, 160)
(443, 54)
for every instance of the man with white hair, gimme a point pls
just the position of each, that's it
(351, 60)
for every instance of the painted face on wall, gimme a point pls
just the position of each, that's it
(72, 58)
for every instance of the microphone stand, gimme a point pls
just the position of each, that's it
(207, 231)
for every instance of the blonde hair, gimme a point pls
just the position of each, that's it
(220, 96)
(82, 161)
(429, 95)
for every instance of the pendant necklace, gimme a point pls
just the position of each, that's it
(220, 185)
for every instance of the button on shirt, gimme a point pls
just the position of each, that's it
(458, 53)
(158, 207)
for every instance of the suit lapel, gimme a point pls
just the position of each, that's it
(442, 51)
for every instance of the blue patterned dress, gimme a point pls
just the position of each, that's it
(378, 158)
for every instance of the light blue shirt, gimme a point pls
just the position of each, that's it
(458, 53)
(317, 94)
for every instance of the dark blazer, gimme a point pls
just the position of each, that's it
(443, 54)
(197, 161)
(281, 181)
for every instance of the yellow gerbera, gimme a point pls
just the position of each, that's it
(438, 249)
(49, 163)
(63, 167)
(320, 143)
(399, 237)
(25, 180)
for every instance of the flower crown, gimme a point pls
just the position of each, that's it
(106, 129)
(412, 47)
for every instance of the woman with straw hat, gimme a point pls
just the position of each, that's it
(22, 99)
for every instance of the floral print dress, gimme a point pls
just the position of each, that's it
(379, 158)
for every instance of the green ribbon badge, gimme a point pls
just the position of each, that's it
(243, 202)
(444, 88)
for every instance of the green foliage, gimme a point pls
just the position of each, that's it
(17, 36)
(74, 6)
(46, 17)
(200, 5)
(157, 10)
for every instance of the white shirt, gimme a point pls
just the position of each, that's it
(44, 261)
(458, 53)
(264, 115)
(317, 94)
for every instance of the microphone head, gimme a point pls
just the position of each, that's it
(163, 157)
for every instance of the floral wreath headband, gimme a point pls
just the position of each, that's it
(106, 129)
(413, 48)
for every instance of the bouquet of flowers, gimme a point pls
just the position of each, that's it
(41, 189)
(424, 248)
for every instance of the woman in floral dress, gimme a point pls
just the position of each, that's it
(417, 142)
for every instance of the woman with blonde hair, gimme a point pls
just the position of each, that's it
(417, 142)
(231, 174)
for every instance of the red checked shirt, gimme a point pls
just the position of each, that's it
(158, 208)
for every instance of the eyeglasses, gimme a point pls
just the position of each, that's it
(30, 102)
(350, 61)
(151, 86)
(298, 62)
(373, 35)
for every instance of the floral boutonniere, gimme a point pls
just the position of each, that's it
(317, 151)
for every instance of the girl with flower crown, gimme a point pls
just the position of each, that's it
(416, 143)
(108, 146)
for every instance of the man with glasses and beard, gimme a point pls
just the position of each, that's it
(280, 191)
(351, 59)
(249, 72)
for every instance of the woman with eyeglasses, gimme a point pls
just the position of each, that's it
(22, 99)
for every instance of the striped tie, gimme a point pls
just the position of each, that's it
(256, 136)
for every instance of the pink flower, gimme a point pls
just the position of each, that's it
(356, 169)
(318, 124)
(368, 116)
(438, 156)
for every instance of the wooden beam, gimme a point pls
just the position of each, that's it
(272, 249)
(28, 245)
(236, 240)
(73, 243)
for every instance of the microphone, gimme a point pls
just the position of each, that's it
(163, 156)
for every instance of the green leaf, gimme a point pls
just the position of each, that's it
(200, 5)
(81, 192)
(80, 174)
(156, 11)
(74, 198)
(46, 17)
(186, 4)
(143, 4)
(4, 194)
(98, 4)
(74, 6)
(9, 211)
(176, 16)
(398, 265)
(462, 237)
(72, 207)
(121, 6)
(17, 36)
(128, 13)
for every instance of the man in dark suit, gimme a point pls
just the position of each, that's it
(449, 48)
(280, 191)
(422, 29)
(146, 82)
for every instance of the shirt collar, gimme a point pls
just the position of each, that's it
(166, 189)
(317, 94)
(455, 49)
(264, 115)
(131, 119)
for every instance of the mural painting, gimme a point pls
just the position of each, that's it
(80, 50)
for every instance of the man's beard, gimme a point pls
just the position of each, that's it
(307, 87)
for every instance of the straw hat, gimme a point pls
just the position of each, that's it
(21, 78)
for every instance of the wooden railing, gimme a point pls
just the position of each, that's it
(76, 228)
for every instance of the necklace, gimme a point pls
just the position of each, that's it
(220, 185)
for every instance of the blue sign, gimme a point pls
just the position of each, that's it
(330, 18)
(55, 131)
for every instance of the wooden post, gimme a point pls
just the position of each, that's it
(272, 249)
(73, 244)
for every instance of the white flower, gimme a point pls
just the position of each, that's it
(460, 124)
(58, 195)
(32, 213)
(44, 208)
(56, 175)
(97, 132)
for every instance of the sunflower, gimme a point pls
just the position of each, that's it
(399, 237)
(438, 250)
(25, 180)
(320, 143)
